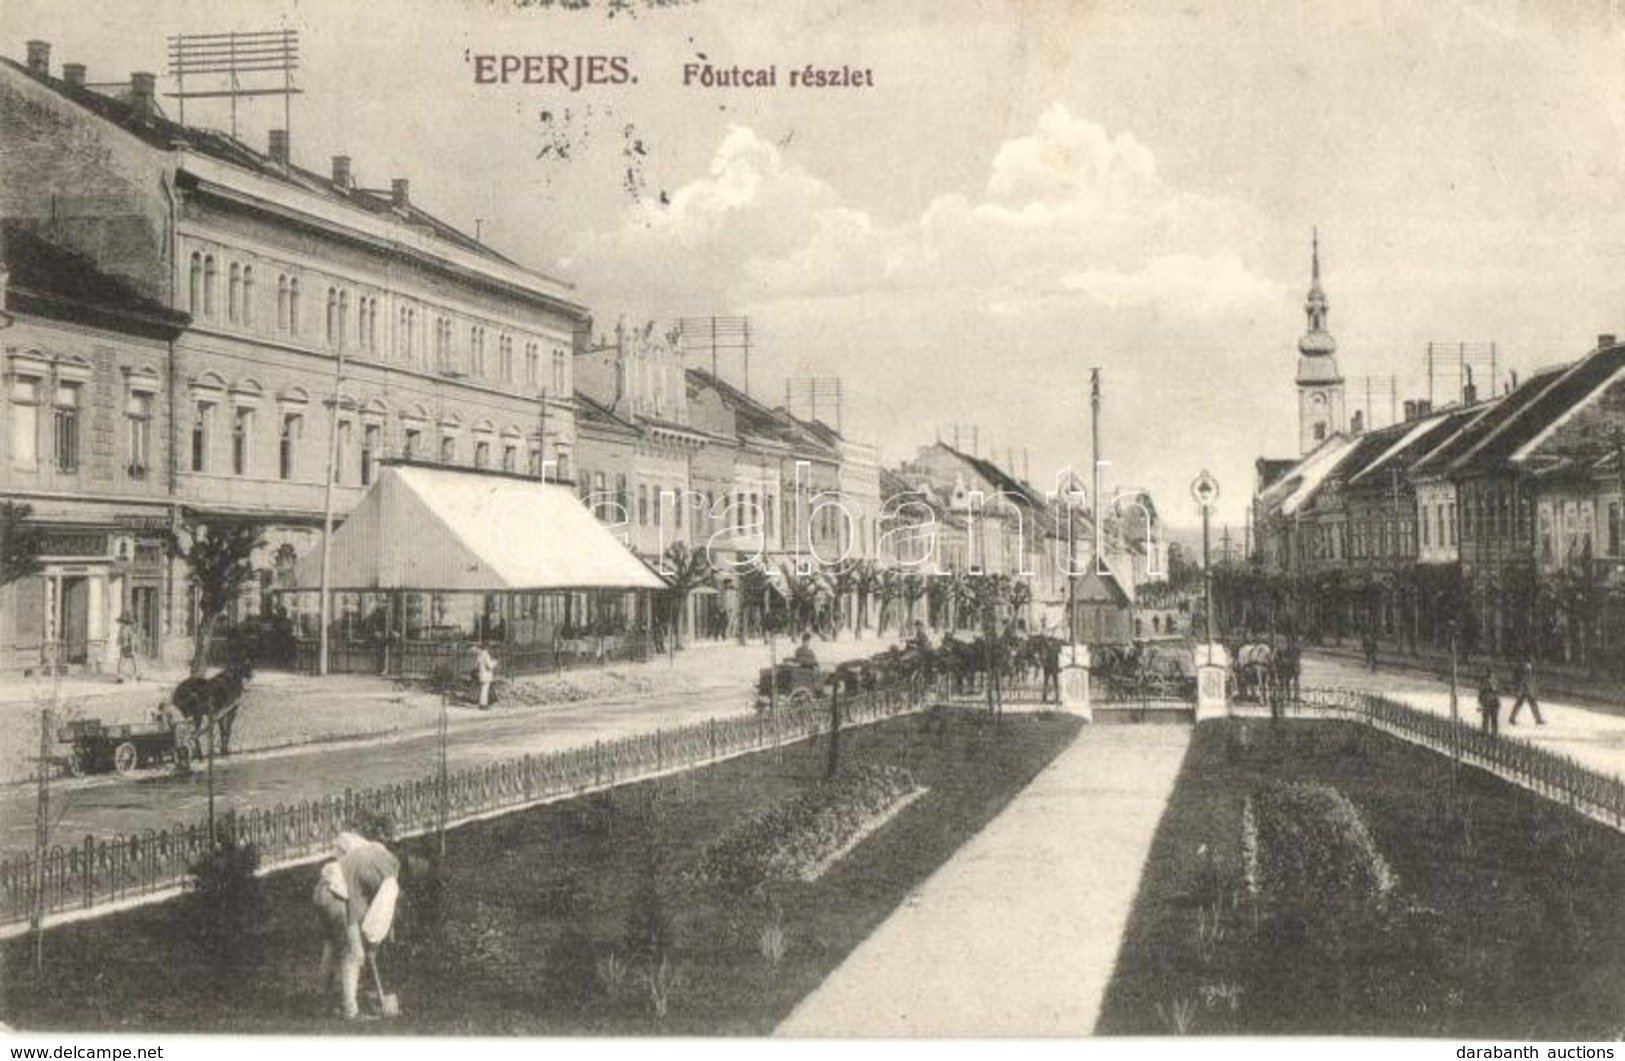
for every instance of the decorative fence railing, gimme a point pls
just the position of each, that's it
(98, 872)
(1558, 777)
(422, 659)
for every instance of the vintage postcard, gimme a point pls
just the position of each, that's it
(630, 519)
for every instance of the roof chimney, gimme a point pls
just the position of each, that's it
(74, 74)
(1424, 408)
(143, 94)
(1410, 411)
(1357, 423)
(39, 58)
(399, 192)
(278, 146)
(341, 172)
(1604, 341)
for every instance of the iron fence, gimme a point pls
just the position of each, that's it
(97, 872)
(425, 659)
(1558, 777)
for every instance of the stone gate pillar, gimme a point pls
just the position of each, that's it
(1075, 683)
(1212, 682)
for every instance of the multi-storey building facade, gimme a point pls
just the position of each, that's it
(328, 321)
(85, 446)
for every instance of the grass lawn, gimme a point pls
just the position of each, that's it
(545, 921)
(1504, 918)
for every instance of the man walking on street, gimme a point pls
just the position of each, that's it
(126, 647)
(1368, 642)
(1489, 703)
(485, 668)
(1526, 693)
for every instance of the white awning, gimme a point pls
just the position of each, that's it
(442, 529)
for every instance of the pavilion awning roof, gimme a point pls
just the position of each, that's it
(442, 529)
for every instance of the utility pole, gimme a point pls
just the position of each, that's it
(42, 830)
(325, 609)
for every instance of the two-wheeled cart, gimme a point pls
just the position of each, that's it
(96, 747)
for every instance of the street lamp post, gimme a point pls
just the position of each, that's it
(1205, 489)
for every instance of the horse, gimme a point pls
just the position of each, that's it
(1288, 671)
(1254, 665)
(205, 700)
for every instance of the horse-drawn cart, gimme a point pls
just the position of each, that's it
(789, 683)
(98, 747)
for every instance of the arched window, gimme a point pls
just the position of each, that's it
(248, 295)
(211, 276)
(293, 305)
(372, 324)
(332, 314)
(283, 316)
(197, 284)
(344, 315)
(234, 295)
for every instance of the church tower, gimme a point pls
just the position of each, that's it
(1320, 385)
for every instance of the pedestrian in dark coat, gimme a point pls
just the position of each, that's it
(1368, 642)
(1525, 678)
(1489, 703)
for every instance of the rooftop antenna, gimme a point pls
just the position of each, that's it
(221, 60)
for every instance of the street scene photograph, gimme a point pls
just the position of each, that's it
(811, 520)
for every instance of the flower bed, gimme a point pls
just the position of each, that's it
(790, 840)
(1312, 847)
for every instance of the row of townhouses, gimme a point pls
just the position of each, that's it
(1495, 520)
(197, 329)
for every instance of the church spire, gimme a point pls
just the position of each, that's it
(1316, 340)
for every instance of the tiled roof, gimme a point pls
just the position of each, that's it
(754, 418)
(1493, 415)
(597, 414)
(166, 135)
(53, 281)
(1567, 391)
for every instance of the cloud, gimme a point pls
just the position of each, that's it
(1210, 284)
(1069, 209)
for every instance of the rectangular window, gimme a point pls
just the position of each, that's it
(138, 421)
(414, 443)
(510, 458)
(25, 397)
(242, 435)
(482, 454)
(448, 449)
(1614, 528)
(643, 504)
(65, 427)
(288, 445)
(372, 437)
(558, 372)
(200, 436)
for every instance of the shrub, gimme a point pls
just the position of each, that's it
(223, 909)
(1314, 848)
(789, 839)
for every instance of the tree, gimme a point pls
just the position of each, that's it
(913, 589)
(845, 585)
(891, 587)
(19, 542)
(685, 571)
(866, 583)
(220, 558)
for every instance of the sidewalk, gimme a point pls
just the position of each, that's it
(1018, 933)
(283, 709)
(1565, 682)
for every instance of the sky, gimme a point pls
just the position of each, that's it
(1029, 189)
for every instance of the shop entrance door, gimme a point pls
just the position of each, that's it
(76, 619)
(144, 610)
